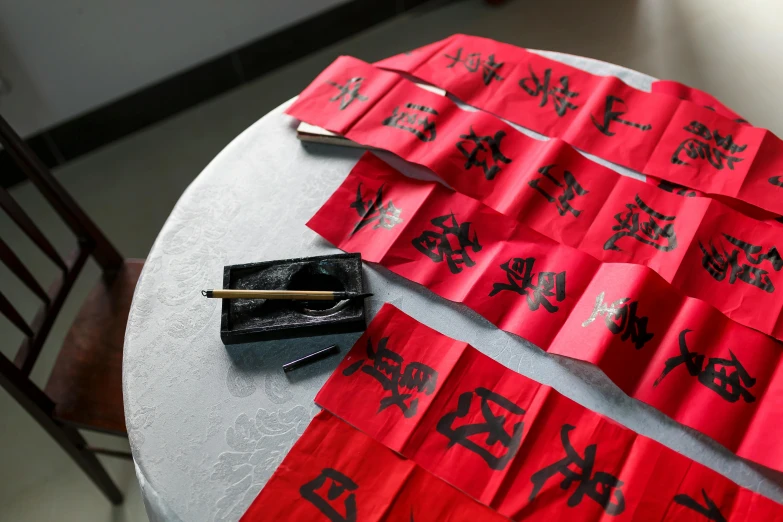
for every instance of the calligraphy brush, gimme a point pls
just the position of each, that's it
(292, 295)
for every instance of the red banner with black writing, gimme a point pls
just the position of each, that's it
(513, 444)
(674, 138)
(704, 248)
(336, 473)
(676, 353)
(498, 153)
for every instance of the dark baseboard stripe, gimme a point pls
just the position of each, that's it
(120, 118)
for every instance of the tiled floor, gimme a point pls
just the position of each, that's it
(726, 47)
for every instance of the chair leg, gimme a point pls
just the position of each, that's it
(32, 399)
(75, 445)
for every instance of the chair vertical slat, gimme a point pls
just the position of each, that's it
(23, 221)
(10, 312)
(30, 349)
(104, 252)
(14, 264)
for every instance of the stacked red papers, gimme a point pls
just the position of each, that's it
(513, 444)
(658, 134)
(477, 153)
(704, 248)
(675, 353)
(335, 473)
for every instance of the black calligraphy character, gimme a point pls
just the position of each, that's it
(483, 148)
(473, 61)
(410, 121)
(599, 486)
(709, 510)
(561, 95)
(438, 246)
(610, 116)
(718, 156)
(336, 484)
(373, 210)
(520, 278)
(348, 92)
(620, 316)
(387, 369)
(719, 263)
(674, 188)
(570, 186)
(776, 180)
(490, 70)
(729, 386)
(497, 439)
(649, 232)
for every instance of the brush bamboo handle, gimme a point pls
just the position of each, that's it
(296, 295)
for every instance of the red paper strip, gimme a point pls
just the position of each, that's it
(739, 206)
(706, 100)
(672, 139)
(514, 444)
(706, 249)
(338, 474)
(676, 353)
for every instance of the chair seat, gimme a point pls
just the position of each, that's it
(86, 382)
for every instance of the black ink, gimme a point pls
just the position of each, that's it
(438, 245)
(413, 122)
(599, 486)
(336, 485)
(631, 325)
(498, 445)
(674, 188)
(649, 232)
(373, 210)
(348, 92)
(776, 180)
(729, 386)
(718, 263)
(483, 148)
(570, 187)
(718, 156)
(560, 95)
(386, 367)
(709, 510)
(473, 61)
(520, 280)
(610, 116)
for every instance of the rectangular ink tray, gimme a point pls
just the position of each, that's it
(249, 320)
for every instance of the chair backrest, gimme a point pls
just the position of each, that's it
(90, 241)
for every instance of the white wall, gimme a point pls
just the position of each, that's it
(64, 57)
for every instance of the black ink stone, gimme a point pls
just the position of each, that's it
(249, 320)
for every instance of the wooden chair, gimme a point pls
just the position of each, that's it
(84, 390)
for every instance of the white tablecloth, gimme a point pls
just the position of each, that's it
(209, 423)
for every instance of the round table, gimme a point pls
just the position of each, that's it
(208, 423)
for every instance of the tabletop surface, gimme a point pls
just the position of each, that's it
(208, 423)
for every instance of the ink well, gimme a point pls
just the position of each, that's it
(250, 320)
